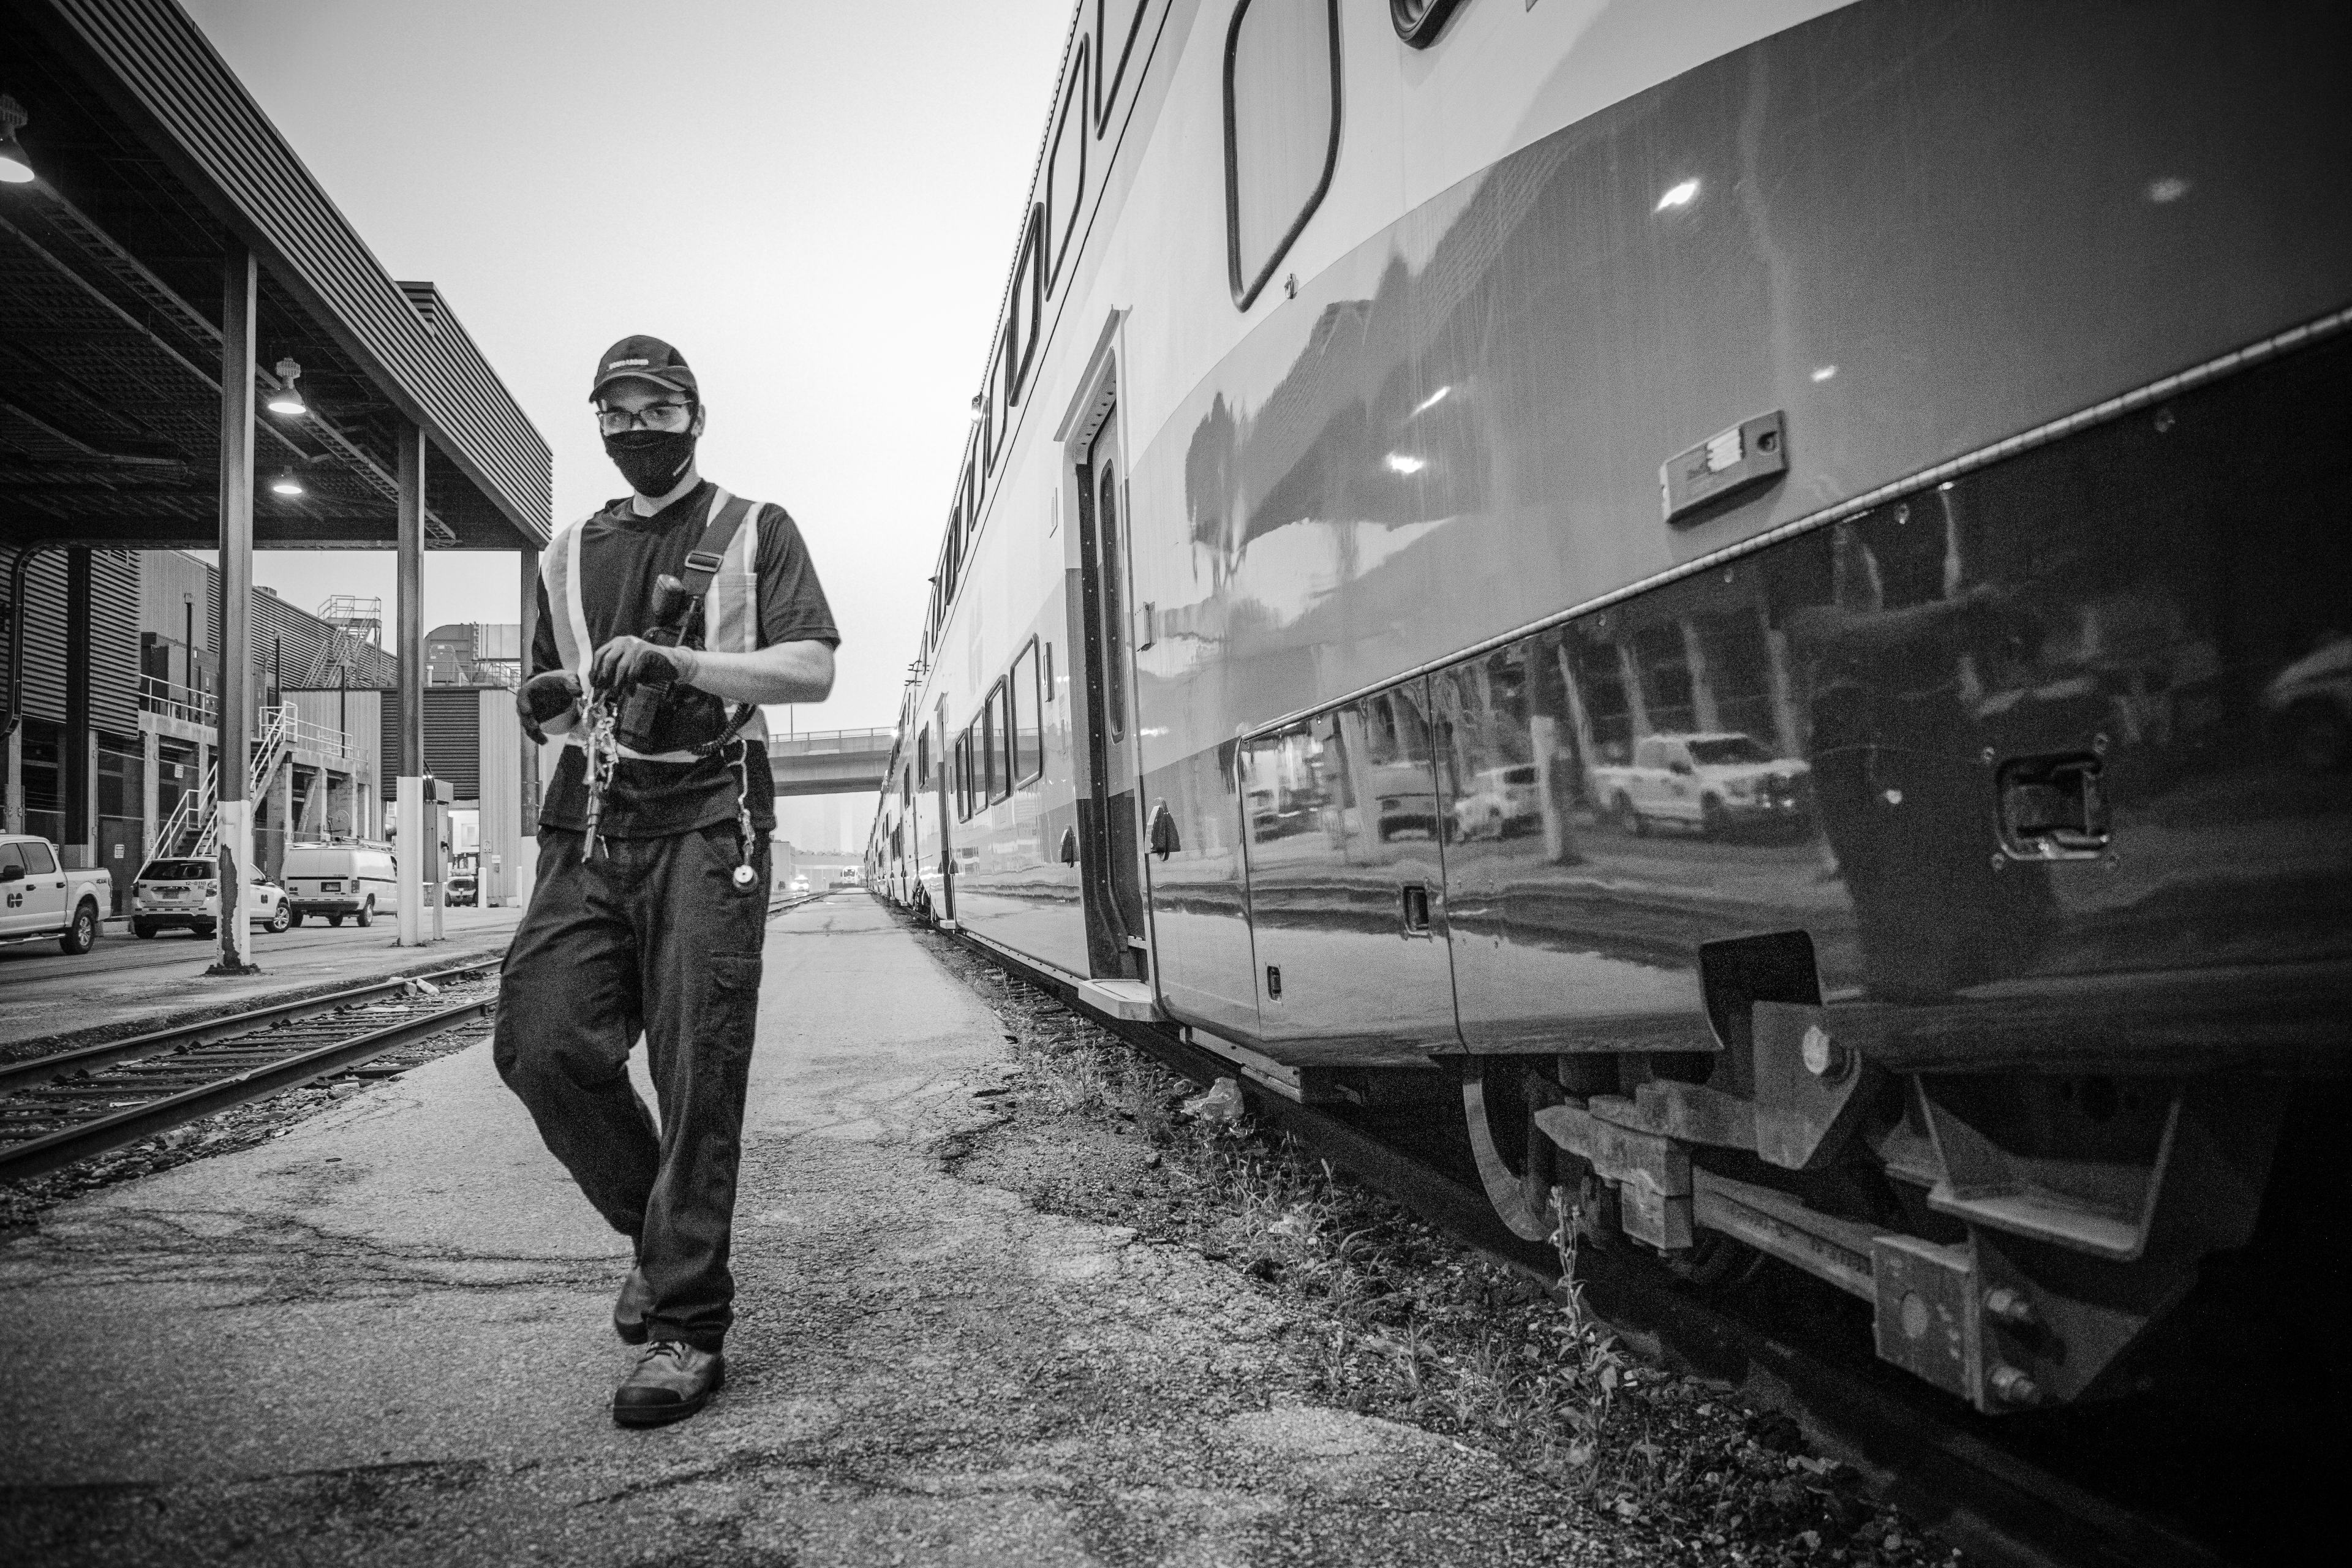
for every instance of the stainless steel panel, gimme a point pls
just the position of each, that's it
(1827, 739)
(1200, 914)
(1455, 429)
(1344, 823)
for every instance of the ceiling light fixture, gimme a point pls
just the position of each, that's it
(287, 483)
(287, 398)
(15, 163)
(1680, 196)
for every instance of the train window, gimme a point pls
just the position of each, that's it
(968, 487)
(992, 427)
(923, 756)
(1282, 130)
(1022, 310)
(965, 791)
(993, 770)
(1028, 714)
(1119, 23)
(1065, 174)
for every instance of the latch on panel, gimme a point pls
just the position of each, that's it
(1413, 896)
(2053, 807)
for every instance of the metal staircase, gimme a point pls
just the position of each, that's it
(200, 810)
(193, 814)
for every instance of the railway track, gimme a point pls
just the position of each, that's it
(1998, 1507)
(59, 1108)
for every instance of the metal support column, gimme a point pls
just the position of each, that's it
(409, 812)
(235, 850)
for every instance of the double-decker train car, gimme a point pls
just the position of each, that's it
(1763, 582)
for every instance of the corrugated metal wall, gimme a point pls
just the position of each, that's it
(169, 582)
(114, 642)
(114, 637)
(453, 737)
(357, 713)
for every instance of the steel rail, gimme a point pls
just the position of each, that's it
(37, 1156)
(25, 1074)
(2001, 1508)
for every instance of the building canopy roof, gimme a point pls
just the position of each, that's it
(153, 163)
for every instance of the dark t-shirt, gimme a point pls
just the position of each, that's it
(621, 554)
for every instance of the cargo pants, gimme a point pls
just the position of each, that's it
(654, 936)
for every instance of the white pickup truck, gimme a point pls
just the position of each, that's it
(40, 898)
(1711, 781)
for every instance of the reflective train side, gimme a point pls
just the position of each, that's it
(1766, 587)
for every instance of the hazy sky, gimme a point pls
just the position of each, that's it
(817, 201)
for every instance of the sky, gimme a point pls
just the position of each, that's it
(816, 202)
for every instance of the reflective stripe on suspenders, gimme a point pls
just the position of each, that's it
(730, 611)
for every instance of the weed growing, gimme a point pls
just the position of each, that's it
(1389, 1318)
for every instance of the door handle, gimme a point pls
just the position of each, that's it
(1413, 902)
(1163, 839)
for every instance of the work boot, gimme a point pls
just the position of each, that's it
(672, 1381)
(629, 1308)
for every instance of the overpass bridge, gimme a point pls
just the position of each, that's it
(829, 761)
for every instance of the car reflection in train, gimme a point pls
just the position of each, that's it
(1773, 634)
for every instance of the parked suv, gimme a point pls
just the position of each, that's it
(183, 894)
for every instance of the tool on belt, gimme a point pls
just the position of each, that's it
(604, 756)
(638, 715)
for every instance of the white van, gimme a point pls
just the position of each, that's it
(339, 880)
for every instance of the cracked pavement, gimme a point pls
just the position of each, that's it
(383, 1338)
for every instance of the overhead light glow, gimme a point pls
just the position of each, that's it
(286, 484)
(1433, 399)
(1824, 373)
(1400, 463)
(15, 163)
(287, 398)
(1680, 196)
(2171, 188)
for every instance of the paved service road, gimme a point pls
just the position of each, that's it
(384, 1339)
(43, 991)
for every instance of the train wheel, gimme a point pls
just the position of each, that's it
(1516, 1161)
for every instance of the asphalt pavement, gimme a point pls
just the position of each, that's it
(125, 980)
(383, 1338)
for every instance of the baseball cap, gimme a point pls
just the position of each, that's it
(642, 358)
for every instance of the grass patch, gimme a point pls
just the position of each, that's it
(1389, 1317)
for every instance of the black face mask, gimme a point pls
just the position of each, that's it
(653, 461)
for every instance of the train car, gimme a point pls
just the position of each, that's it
(1763, 584)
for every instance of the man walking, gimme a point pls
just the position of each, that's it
(664, 620)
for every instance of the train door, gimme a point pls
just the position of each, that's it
(1346, 878)
(942, 768)
(1111, 862)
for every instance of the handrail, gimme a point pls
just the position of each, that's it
(186, 703)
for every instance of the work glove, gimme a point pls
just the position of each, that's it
(633, 661)
(548, 695)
